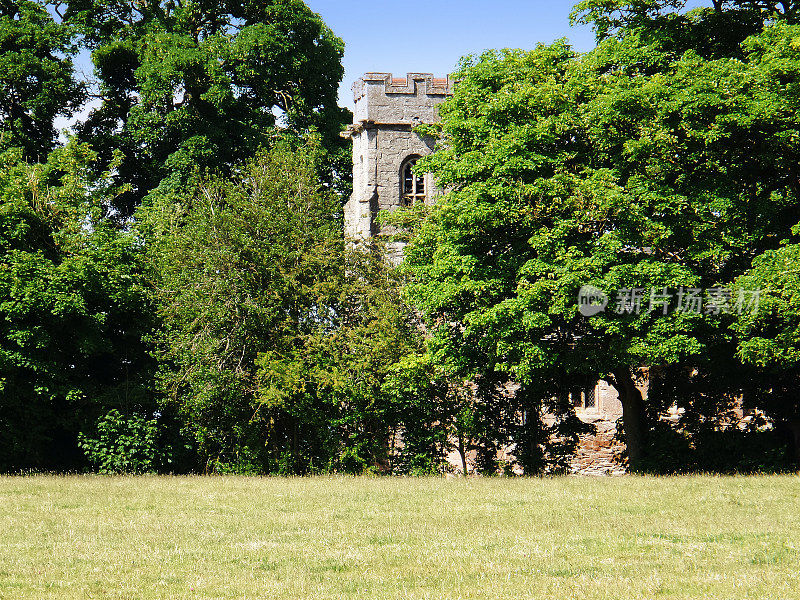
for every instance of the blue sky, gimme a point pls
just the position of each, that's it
(430, 36)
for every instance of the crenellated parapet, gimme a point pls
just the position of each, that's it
(383, 98)
(412, 83)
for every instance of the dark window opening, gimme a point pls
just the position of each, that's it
(413, 184)
(588, 398)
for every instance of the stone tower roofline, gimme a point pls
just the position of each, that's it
(382, 100)
(423, 84)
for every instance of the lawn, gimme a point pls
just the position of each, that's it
(231, 537)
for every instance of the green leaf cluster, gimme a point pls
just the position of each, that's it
(626, 167)
(36, 77)
(73, 309)
(275, 337)
(190, 87)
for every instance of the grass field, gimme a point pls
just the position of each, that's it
(343, 538)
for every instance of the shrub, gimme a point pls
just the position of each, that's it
(124, 444)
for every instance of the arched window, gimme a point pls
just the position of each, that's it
(412, 185)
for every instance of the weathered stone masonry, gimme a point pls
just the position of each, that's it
(386, 110)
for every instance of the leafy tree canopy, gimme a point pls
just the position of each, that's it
(568, 170)
(190, 86)
(669, 28)
(275, 339)
(36, 77)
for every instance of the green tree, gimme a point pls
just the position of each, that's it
(275, 338)
(36, 77)
(569, 170)
(73, 310)
(190, 86)
(433, 416)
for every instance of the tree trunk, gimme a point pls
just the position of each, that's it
(634, 417)
(295, 448)
(392, 450)
(794, 427)
(463, 453)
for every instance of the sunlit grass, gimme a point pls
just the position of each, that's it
(229, 537)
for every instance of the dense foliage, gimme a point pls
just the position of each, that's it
(176, 293)
(125, 445)
(630, 167)
(275, 338)
(73, 310)
(190, 86)
(36, 79)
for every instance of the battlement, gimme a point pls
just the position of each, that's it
(384, 99)
(419, 84)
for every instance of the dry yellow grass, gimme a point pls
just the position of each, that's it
(227, 537)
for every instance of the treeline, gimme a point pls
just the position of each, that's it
(660, 169)
(176, 294)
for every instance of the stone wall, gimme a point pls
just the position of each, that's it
(386, 110)
(601, 453)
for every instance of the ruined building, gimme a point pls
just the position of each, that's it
(385, 150)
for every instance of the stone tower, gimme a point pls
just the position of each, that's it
(385, 148)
